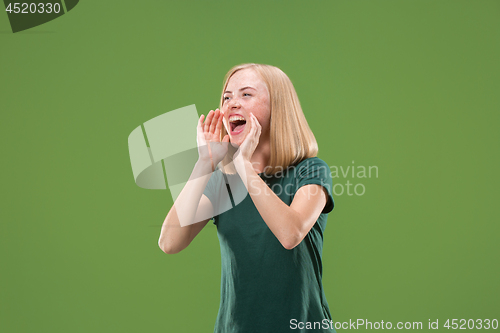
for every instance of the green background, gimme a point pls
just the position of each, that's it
(411, 87)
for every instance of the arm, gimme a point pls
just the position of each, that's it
(189, 214)
(192, 210)
(290, 224)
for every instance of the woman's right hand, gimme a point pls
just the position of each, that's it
(210, 148)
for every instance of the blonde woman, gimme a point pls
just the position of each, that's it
(259, 180)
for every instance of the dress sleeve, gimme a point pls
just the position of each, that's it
(315, 171)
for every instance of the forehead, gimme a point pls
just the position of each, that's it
(245, 77)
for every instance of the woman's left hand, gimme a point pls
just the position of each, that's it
(247, 148)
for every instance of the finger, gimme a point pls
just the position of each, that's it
(253, 129)
(199, 132)
(225, 124)
(219, 124)
(257, 124)
(257, 121)
(215, 120)
(209, 120)
(225, 138)
(199, 127)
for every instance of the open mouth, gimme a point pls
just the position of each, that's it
(237, 124)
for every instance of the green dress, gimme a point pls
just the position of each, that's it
(265, 287)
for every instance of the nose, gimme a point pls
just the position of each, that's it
(233, 103)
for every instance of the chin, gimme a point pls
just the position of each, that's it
(236, 142)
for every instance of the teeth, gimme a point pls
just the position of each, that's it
(235, 118)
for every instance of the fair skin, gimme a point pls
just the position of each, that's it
(246, 96)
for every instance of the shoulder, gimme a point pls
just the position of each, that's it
(314, 170)
(312, 162)
(313, 166)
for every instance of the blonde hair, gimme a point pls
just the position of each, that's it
(291, 139)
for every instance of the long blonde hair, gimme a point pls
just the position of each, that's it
(291, 139)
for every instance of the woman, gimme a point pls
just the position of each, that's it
(269, 196)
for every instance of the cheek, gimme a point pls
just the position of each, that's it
(260, 108)
(264, 117)
(266, 126)
(264, 123)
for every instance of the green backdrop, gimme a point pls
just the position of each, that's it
(411, 87)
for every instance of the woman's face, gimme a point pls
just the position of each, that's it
(245, 92)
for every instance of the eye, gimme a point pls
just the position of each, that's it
(247, 94)
(226, 98)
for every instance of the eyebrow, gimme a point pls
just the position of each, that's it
(247, 87)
